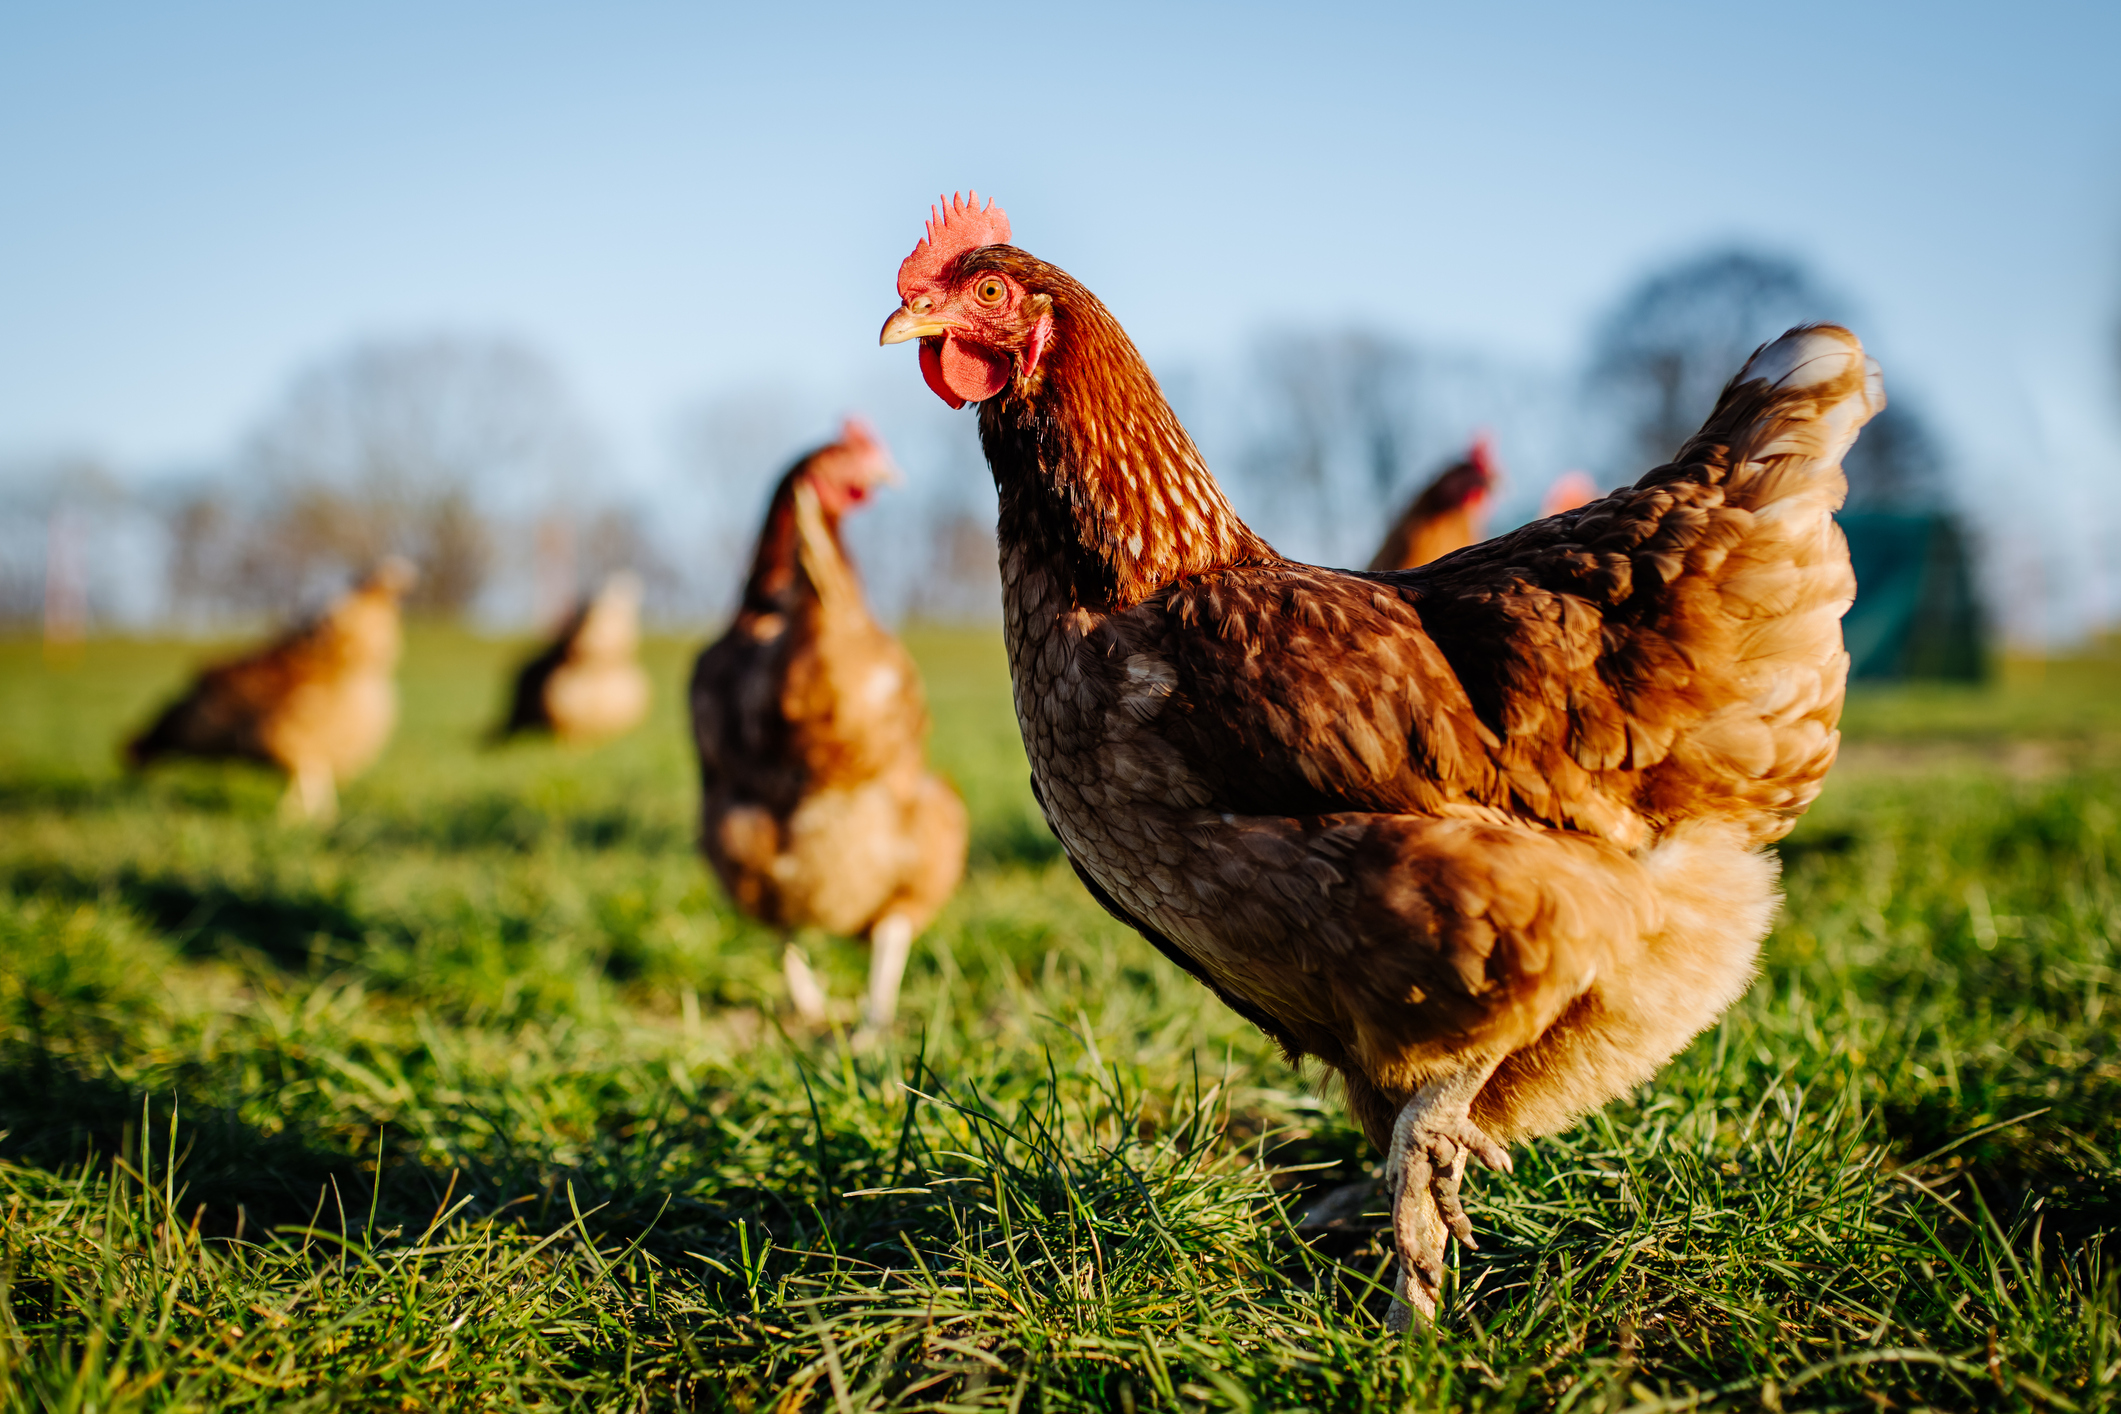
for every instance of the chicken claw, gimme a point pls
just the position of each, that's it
(1431, 1143)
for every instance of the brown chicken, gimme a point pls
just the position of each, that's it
(1448, 514)
(1484, 837)
(817, 806)
(319, 703)
(586, 686)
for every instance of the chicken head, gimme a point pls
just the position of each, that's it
(978, 327)
(845, 474)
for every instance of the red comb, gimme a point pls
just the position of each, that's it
(955, 227)
(1482, 454)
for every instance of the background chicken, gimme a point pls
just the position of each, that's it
(1448, 514)
(817, 807)
(1483, 837)
(319, 703)
(586, 686)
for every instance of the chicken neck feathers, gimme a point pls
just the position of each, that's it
(1102, 481)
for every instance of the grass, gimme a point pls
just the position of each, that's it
(478, 1099)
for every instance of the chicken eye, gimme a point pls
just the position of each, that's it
(989, 291)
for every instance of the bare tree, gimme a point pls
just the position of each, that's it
(25, 526)
(1333, 431)
(400, 447)
(734, 445)
(961, 580)
(21, 571)
(1661, 358)
(205, 538)
(617, 538)
(65, 534)
(1334, 415)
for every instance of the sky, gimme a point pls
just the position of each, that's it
(675, 200)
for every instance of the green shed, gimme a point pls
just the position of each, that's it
(1916, 614)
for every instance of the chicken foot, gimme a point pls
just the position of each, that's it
(1431, 1142)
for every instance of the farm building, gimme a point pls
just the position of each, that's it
(1917, 615)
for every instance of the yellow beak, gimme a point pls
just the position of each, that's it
(905, 324)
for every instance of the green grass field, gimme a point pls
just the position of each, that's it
(479, 1099)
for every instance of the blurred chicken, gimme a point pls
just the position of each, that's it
(586, 686)
(1485, 837)
(817, 807)
(1449, 514)
(319, 703)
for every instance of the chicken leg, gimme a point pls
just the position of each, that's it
(890, 943)
(804, 990)
(312, 794)
(1431, 1141)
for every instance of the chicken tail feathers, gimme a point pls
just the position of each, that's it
(1782, 425)
(1758, 580)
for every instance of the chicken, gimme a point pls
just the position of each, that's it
(817, 806)
(1449, 514)
(1486, 837)
(319, 703)
(585, 686)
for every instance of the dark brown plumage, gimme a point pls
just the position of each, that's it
(817, 806)
(1483, 837)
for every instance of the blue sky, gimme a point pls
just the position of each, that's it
(671, 199)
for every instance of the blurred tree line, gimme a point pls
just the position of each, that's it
(469, 456)
(414, 447)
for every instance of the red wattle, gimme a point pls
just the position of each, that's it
(973, 373)
(932, 370)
